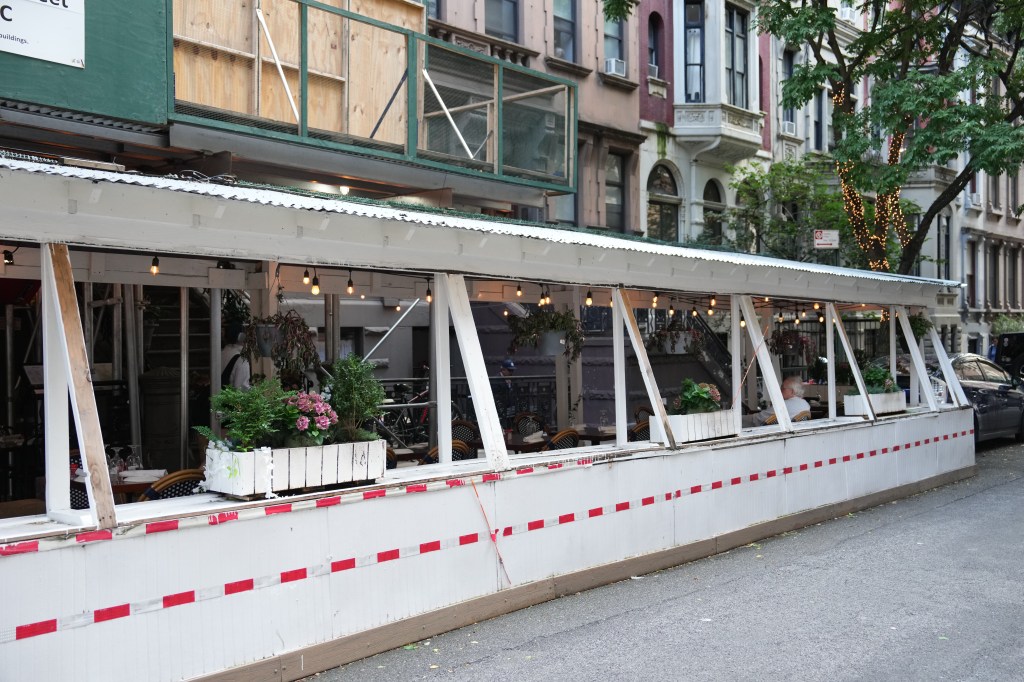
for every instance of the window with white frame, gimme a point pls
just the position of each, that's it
(565, 29)
(662, 205)
(615, 191)
(736, 56)
(693, 24)
(502, 19)
(655, 31)
(714, 206)
(614, 33)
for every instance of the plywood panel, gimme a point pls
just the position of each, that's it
(273, 97)
(282, 17)
(214, 22)
(326, 104)
(377, 60)
(213, 78)
(326, 37)
(398, 12)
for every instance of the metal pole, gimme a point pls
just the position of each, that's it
(87, 321)
(132, 347)
(183, 404)
(118, 334)
(9, 363)
(388, 333)
(330, 350)
(215, 344)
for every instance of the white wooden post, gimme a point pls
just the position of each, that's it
(916, 357)
(646, 371)
(619, 372)
(476, 373)
(848, 349)
(953, 384)
(736, 349)
(764, 360)
(830, 357)
(441, 369)
(55, 397)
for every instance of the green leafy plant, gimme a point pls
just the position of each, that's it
(293, 352)
(356, 395)
(526, 331)
(790, 341)
(695, 398)
(309, 418)
(877, 380)
(251, 419)
(1006, 324)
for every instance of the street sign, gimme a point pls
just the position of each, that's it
(826, 239)
(52, 30)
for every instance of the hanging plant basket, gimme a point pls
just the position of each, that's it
(551, 343)
(267, 336)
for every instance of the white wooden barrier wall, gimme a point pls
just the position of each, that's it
(188, 596)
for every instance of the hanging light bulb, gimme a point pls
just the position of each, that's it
(671, 310)
(711, 311)
(541, 301)
(693, 311)
(430, 295)
(590, 298)
(766, 299)
(654, 300)
(803, 314)
(315, 290)
(817, 305)
(821, 317)
(154, 267)
(305, 276)
(781, 318)
(713, 300)
(796, 319)
(743, 323)
(519, 291)
(351, 288)
(505, 312)
(398, 308)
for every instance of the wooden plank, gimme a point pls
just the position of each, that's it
(227, 24)
(213, 79)
(771, 382)
(83, 400)
(916, 357)
(619, 368)
(646, 371)
(55, 397)
(858, 379)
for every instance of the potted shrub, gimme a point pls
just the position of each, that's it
(287, 340)
(277, 440)
(883, 393)
(543, 325)
(696, 414)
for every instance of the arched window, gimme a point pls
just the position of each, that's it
(654, 47)
(713, 207)
(662, 205)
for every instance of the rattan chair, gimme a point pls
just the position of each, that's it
(640, 432)
(460, 451)
(175, 484)
(527, 423)
(642, 413)
(563, 440)
(464, 430)
(803, 416)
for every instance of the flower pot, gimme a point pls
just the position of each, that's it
(688, 428)
(881, 403)
(264, 471)
(551, 343)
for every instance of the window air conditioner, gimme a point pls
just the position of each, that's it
(652, 70)
(789, 128)
(615, 67)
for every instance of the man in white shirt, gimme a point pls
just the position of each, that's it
(792, 393)
(235, 368)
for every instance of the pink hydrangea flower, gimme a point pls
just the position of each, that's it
(322, 422)
(302, 423)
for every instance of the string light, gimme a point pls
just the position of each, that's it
(671, 310)
(796, 319)
(305, 276)
(350, 288)
(654, 300)
(315, 290)
(154, 267)
(430, 294)
(821, 317)
(505, 312)
(711, 311)
(693, 311)
(803, 314)
(519, 291)
(713, 300)
(817, 305)
(398, 308)
(590, 298)
(781, 318)
(743, 323)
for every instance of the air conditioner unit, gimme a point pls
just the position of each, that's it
(615, 67)
(652, 70)
(789, 128)
(846, 13)
(975, 199)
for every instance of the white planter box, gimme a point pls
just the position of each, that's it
(693, 427)
(882, 403)
(272, 471)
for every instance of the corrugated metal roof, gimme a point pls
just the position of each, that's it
(284, 199)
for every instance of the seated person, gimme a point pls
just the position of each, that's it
(792, 393)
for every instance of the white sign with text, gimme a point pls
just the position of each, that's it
(826, 239)
(52, 30)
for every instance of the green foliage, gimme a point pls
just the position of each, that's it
(526, 331)
(251, 419)
(619, 9)
(1005, 324)
(695, 398)
(294, 351)
(877, 380)
(356, 395)
(945, 80)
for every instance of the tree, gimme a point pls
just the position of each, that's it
(945, 79)
(778, 208)
(619, 9)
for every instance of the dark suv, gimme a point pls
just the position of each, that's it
(1010, 352)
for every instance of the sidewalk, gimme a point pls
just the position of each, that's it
(926, 588)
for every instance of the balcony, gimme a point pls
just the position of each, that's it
(342, 81)
(737, 131)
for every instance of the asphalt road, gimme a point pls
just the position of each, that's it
(927, 588)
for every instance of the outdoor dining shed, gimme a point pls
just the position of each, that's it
(284, 587)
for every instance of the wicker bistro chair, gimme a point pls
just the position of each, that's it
(460, 451)
(527, 423)
(642, 413)
(802, 416)
(465, 431)
(563, 440)
(640, 432)
(175, 484)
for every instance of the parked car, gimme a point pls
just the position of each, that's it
(995, 395)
